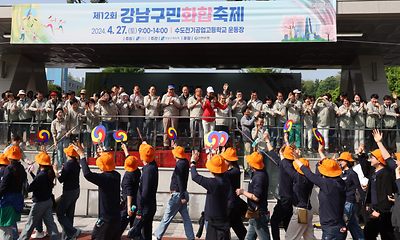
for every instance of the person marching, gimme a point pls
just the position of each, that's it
(332, 196)
(352, 184)
(146, 197)
(108, 225)
(66, 206)
(233, 173)
(42, 208)
(283, 209)
(179, 196)
(302, 188)
(129, 186)
(257, 196)
(12, 201)
(380, 186)
(217, 196)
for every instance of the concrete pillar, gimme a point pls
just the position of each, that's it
(366, 75)
(18, 72)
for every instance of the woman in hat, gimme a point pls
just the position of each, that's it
(257, 196)
(107, 108)
(233, 173)
(123, 109)
(12, 178)
(332, 196)
(59, 128)
(129, 186)
(302, 188)
(51, 106)
(42, 187)
(24, 115)
(352, 184)
(66, 206)
(217, 196)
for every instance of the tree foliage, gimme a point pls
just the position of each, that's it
(123, 70)
(393, 77)
(318, 87)
(54, 88)
(261, 70)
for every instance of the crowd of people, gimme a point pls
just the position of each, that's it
(344, 125)
(261, 122)
(338, 182)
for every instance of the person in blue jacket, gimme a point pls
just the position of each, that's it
(217, 188)
(179, 196)
(12, 201)
(108, 226)
(233, 173)
(66, 206)
(42, 187)
(332, 196)
(352, 185)
(257, 198)
(129, 186)
(146, 196)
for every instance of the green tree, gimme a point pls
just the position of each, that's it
(261, 70)
(54, 88)
(123, 70)
(329, 84)
(393, 77)
(309, 87)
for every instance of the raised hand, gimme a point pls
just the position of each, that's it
(377, 135)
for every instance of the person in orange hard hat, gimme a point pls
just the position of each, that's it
(233, 173)
(12, 180)
(42, 187)
(332, 196)
(179, 196)
(108, 225)
(352, 184)
(380, 186)
(146, 196)
(70, 179)
(302, 188)
(257, 196)
(217, 195)
(129, 186)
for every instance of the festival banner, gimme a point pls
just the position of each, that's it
(175, 22)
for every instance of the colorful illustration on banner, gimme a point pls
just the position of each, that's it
(98, 134)
(172, 134)
(288, 126)
(120, 136)
(43, 136)
(319, 137)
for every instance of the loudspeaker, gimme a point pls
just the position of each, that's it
(3, 69)
(374, 71)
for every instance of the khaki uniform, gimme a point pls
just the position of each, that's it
(238, 110)
(23, 109)
(50, 114)
(254, 106)
(269, 120)
(59, 128)
(170, 109)
(36, 105)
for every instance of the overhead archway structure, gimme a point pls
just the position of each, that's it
(359, 37)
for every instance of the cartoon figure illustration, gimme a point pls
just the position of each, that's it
(50, 24)
(60, 23)
(22, 34)
(34, 36)
(30, 15)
